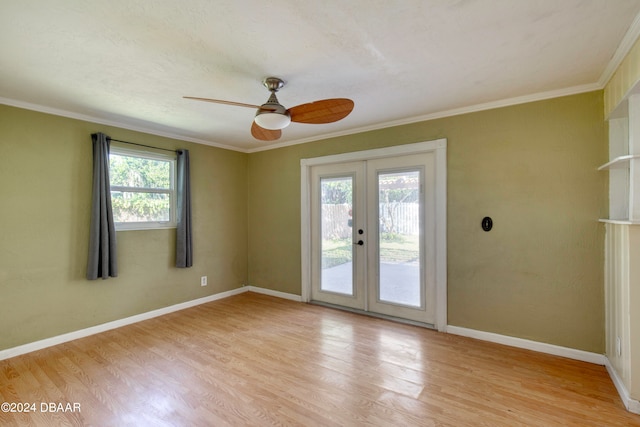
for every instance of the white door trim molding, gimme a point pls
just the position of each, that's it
(439, 147)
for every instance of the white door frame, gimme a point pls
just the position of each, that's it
(439, 148)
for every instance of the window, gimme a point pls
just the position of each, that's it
(143, 192)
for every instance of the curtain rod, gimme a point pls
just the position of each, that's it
(141, 145)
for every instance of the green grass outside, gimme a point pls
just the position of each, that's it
(393, 248)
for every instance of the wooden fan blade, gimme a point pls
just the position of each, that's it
(264, 134)
(220, 101)
(324, 111)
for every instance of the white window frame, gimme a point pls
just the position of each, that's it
(149, 225)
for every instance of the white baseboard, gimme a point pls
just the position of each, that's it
(273, 293)
(556, 350)
(48, 342)
(632, 405)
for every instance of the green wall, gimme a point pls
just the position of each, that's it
(45, 184)
(539, 273)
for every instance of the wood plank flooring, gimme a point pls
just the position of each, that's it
(255, 360)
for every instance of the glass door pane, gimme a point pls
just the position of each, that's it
(399, 238)
(336, 204)
(337, 217)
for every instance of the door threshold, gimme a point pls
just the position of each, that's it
(372, 314)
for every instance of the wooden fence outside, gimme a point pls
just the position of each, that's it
(398, 218)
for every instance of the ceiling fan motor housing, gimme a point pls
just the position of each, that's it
(272, 115)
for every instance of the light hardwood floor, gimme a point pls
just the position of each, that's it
(257, 360)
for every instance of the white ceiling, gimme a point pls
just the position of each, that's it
(129, 62)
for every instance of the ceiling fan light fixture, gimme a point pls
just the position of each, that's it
(273, 120)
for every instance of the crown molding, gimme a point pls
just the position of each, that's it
(416, 119)
(629, 39)
(122, 125)
(574, 90)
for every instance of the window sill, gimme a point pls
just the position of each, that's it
(139, 227)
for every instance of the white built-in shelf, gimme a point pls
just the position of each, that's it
(619, 221)
(619, 162)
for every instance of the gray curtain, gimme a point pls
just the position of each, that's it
(184, 241)
(102, 235)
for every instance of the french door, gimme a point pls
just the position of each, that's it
(373, 235)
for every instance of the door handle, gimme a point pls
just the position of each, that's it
(359, 243)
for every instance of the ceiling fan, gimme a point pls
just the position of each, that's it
(271, 117)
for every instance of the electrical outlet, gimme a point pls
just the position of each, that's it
(618, 347)
(203, 281)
